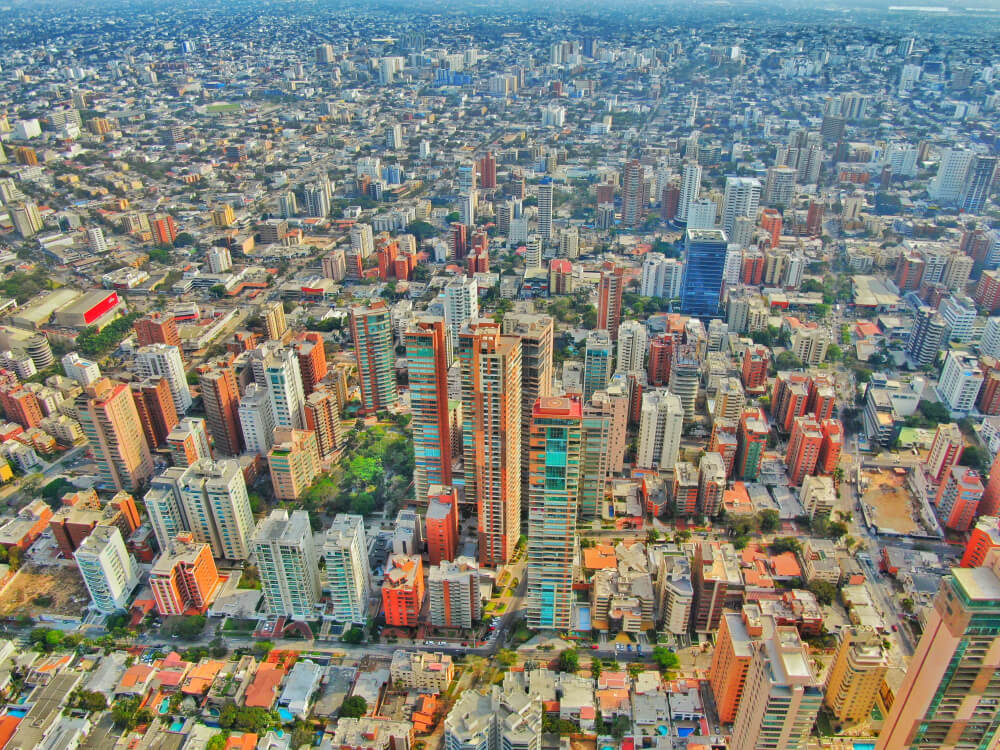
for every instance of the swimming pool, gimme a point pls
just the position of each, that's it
(287, 716)
(864, 746)
(177, 726)
(22, 712)
(688, 731)
(164, 705)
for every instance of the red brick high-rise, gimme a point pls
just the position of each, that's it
(803, 449)
(156, 409)
(822, 400)
(770, 222)
(441, 527)
(984, 537)
(830, 448)
(157, 328)
(221, 398)
(814, 219)
(755, 363)
(990, 502)
(959, 498)
(669, 200)
(164, 229)
(21, 406)
(789, 399)
(909, 272)
(457, 238)
(988, 401)
(312, 359)
(661, 353)
(752, 268)
(488, 171)
(988, 291)
(609, 298)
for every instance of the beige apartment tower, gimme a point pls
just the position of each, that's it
(856, 675)
(950, 698)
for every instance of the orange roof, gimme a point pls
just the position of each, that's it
(262, 692)
(247, 741)
(866, 328)
(135, 675)
(550, 707)
(738, 498)
(612, 699)
(598, 557)
(786, 565)
(200, 678)
(8, 725)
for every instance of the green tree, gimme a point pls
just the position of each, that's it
(768, 521)
(353, 636)
(353, 707)
(506, 657)
(568, 661)
(421, 230)
(787, 361)
(665, 659)
(785, 544)
(824, 591)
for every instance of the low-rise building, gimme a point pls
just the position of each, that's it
(422, 671)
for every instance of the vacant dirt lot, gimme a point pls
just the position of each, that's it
(58, 589)
(893, 503)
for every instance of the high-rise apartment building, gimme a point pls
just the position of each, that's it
(155, 407)
(731, 659)
(609, 298)
(157, 328)
(220, 397)
(284, 386)
(312, 359)
(554, 489)
(403, 591)
(535, 333)
(978, 181)
(289, 569)
(545, 190)
(188, 442)
(690, 187)
(461, 304)
(373, 346)
(742, 198)
(453, 594)
(217, 507)
(184, 578)
(164, 506)
(635, 194)
(293, 461)
(111, 423)
(257, 419)
(428, 362)
(632, 340)
(927, 337)
(856, 675)
(347, 571)
(751, 443)
(946, 450)
(950, 180)
(597, 435)
(948, 697)
(660, 423)
(782, 695)
(685, 376)
(957, 500)
(755, 365)
(803, 449)
(107, 568)
(323, 419)
(164, 360)
(491, 440)
(597, 362)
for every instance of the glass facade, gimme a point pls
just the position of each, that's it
(704, 266)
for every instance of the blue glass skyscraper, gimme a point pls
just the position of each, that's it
(705, 262)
